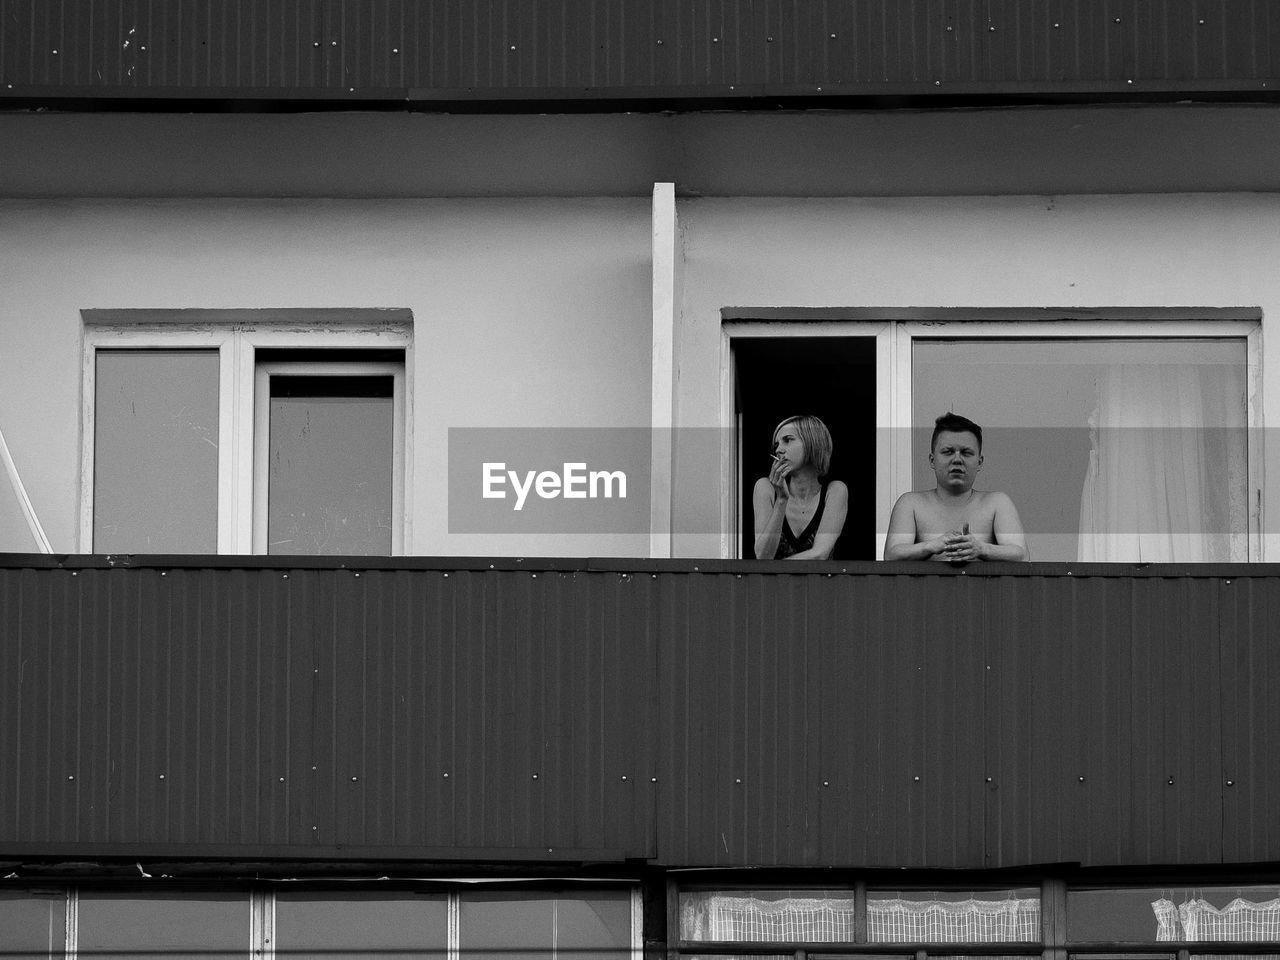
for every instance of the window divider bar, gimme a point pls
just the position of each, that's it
(860, 912)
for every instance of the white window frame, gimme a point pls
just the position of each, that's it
(895, 340)
(237, 343)
(261, 412)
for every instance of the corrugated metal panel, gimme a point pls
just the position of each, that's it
(712, 714)
(502, 49)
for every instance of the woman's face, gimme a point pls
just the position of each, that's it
(788, 443)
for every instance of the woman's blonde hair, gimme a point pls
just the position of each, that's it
(816, 438)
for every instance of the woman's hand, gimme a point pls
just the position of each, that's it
(778, 474)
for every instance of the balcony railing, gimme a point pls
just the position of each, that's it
(681, 712)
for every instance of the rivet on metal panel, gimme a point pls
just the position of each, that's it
(1128, 81)
(163, 573)
(314, 829)
(624, 778)
(1201, 24)
(313, 767)
(333, 43)
(1231, 783)
(1171, 781)
(826, 783)
(162, 776)
(446, 776)
(768, 39)
(74, 573)
(316, 43)
(395, 49)
(916, 779)
(937, 83)
(55, 52)
(535, 576)
(653, 779)
(833, 36)
(988, 779)
(143, 47)
(715, 39)
(354, 779)
(284, 576)
(491, 566)
(1057, 26)
(535, 776)
(1227, 582)
(282, 779)
(446, 576)
(1081, 779)
(737, 780)
(357, 574)
(513, 48)
(992, 29)
(659, 43)
(951, 29)
(1117, 20)
(71, 776)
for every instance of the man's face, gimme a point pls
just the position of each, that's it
(956, 460)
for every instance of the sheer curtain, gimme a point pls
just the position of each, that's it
(1166, 480)
(1198, 919)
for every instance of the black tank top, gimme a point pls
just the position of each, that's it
(789, 543)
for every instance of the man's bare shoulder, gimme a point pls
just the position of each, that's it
(913, 498)
(992, 498)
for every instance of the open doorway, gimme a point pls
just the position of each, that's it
(833, 378)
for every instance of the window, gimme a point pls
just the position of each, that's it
(245, 439)
(864, 920)
(305, 921)
(1119, 439)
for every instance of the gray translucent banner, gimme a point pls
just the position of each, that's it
(1064, 481)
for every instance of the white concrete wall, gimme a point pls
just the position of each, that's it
(1218, 250)
(526, 313)
(537, 312)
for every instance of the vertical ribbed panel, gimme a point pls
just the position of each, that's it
(482, 48)
(697, 718)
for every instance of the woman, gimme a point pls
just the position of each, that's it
(794, 498)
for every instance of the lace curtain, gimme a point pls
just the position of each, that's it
(1198, 919)
(827, 920)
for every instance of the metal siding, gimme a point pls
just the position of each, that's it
(724, 716)
(497, 49)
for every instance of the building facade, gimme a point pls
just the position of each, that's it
(334, 336)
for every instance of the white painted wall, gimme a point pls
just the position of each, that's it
(538, 312)
(1086, 251)
(527, 313)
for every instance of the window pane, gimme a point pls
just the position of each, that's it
(329, 476)
(156, 927)
(1128, 450)
(1174, 914)
(155, 450)
(506, 926)
(948, 916)
(779, 916)
(32, 925)
(361, 927)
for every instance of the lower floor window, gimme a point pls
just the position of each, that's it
(1101, 921)
(593, 923)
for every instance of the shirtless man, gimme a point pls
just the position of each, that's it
(954, 521)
